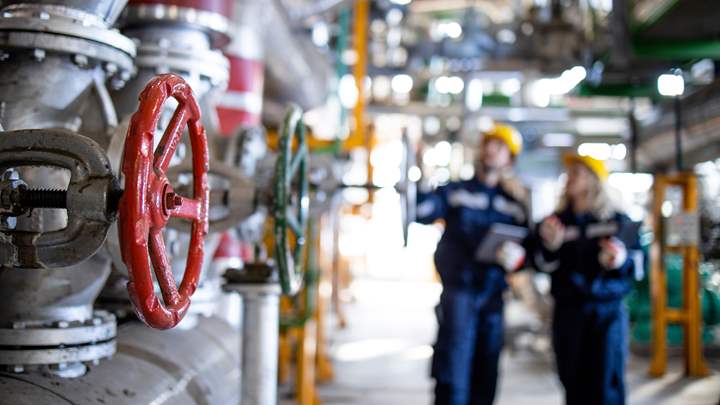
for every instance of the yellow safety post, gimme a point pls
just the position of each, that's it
(307, 333)
(284, 356)
(323, 365)
(689, 315)
(305, 362)
(324, 368)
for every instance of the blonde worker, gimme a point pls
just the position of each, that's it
(581, 247)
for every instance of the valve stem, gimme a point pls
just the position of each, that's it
(42, 198)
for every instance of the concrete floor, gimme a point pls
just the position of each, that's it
(383, 357)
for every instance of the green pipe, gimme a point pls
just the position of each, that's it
(677, 50)
(617, 90)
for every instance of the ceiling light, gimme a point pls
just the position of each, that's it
(558, 140)
(401, 83)
(671, 85)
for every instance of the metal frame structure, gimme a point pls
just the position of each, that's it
(689, 315)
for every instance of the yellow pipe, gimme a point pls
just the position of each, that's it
(319, 144)
(360, 40)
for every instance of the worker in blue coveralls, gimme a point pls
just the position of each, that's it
(583, 248)
(470, 333)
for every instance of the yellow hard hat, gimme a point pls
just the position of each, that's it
(507, 134)
(595, 165)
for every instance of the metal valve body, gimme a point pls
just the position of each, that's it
(58, 58)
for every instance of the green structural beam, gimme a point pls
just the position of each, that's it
(617, 90)
(496, 100)
(677, 50)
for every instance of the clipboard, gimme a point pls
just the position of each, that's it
(495, 237)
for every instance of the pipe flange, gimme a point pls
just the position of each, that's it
(66, 26)
(48, 12)
(88, 43)
(60, 342)
(214, 23)
(100, 14)
(207, 64)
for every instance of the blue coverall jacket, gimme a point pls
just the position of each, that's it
(470, 333)
(589, 320)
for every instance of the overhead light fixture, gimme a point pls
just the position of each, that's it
(603, 150)
(474, 95)
(449, 85)
(320, 34)
(597, 150)
(453, 29)
(597, 126)
(509, 87)
(506, 36)
(443, 151)
(431, 125)
(443, 29)
(381, 86)
(671, 85)
(401, 83)
(394, 16)
(542, 90)
(348, 91)
(558, 140)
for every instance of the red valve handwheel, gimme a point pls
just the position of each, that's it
(148, 202)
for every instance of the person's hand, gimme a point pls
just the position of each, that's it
(510, 256)
(613, 253)
(552, 233)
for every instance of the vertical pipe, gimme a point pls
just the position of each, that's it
(633, 136)
(360, 37)
(678, 134)
(261, 308)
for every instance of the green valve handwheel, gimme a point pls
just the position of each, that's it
(291, 201)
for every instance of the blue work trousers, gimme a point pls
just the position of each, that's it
(590, 343)
(467, 351)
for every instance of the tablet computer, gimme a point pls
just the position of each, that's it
(496, 236)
